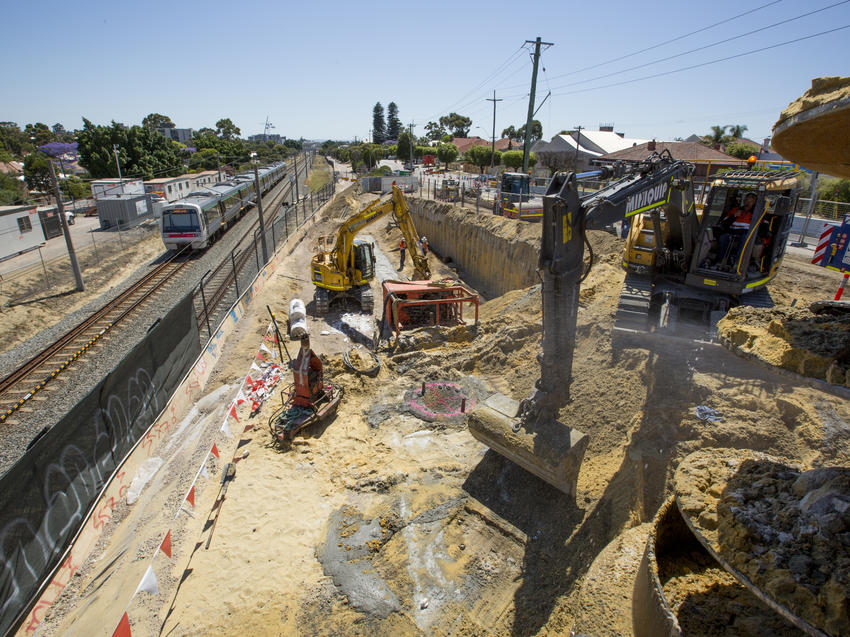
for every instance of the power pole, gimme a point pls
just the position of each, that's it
(78, 276)
(295, 161)
(218, 163)
(411, 125)
(578, 145)
(118, 164)
(525, 146)
(260, 210)
(493, 149)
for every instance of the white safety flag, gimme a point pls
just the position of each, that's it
(148, 583)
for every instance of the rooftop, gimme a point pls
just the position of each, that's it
(687, 151)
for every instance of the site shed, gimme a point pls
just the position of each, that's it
(124, 210)
(20, 230)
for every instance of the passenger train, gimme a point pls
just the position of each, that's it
(204, 215)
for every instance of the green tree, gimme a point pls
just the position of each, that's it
(483, 157)
(737, 130)
(157, 120)
(456, 125)
(536, 131)
(394, 127)
(75, 188)
(403, 146)
(447, 153)
(434, 131)
(741, 151)
(12, 138)
(11, 190)
(718, 136)
(510, 132)
(142, 153)
(37, 172)
(39, 134)
(513, 159)
(226, 129)
(379, 124)
(420, 150)
(61, 134)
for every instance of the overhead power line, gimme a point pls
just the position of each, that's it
(670, 41)
(701, 64)
(702, 48)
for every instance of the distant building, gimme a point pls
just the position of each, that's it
(106, 187)
(577, 150)
(182, 135)
(174, 188)
(124, 210)
(20, 230)
(261, 137)
(465, 143)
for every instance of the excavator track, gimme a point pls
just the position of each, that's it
(633, 305)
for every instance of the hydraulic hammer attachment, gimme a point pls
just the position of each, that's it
(528, 432)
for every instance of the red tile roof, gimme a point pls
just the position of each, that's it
(687, 151)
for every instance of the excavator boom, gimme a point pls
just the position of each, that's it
(528, 432)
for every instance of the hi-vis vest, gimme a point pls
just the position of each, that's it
(741, 219)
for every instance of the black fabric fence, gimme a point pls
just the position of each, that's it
(47, 494)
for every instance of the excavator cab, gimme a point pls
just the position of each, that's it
(738, 254)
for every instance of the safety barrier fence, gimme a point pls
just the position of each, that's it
(72, 481)
(47, 495)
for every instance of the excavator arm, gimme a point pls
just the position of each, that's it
(397, 205)
(528, 432)
(566, 216)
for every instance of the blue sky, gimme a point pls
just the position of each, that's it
(317, 68)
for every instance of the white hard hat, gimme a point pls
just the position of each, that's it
(423, 238)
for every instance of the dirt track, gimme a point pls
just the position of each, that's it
(381, 523)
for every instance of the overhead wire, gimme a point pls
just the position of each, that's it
(706, 46)
(670, 41)
(511, 59)
(702, 64)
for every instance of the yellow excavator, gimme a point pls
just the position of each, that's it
(345, 269)
(677, 277)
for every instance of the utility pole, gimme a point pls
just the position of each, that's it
(493, 149)
(78, 276)
(297, 196)
(578, 145)
(118, 164)
(260, 210)
(525, 146)
(411, 125)
(218, 163)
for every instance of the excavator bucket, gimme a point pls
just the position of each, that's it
(552, 451)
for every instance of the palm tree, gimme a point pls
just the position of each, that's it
(718, 134)
(737, 130)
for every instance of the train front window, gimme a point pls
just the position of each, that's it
(180, 220)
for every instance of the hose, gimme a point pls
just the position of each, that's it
(372, 371)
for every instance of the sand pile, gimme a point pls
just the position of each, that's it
(794, 339)
(785, 529)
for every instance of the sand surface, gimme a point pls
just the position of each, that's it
(383, 523)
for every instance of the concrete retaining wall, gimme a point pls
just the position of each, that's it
(496, 255)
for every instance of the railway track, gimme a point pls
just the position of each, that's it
(33, 378)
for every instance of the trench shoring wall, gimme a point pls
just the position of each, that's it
(496, 255)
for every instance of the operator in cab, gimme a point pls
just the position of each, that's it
(735, 225)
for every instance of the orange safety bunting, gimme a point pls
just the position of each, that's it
(233, 413)
(165, 547)
(214, 451)
(190, 497)
(123, 629)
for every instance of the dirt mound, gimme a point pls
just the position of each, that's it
(795, 339)
(784, 528)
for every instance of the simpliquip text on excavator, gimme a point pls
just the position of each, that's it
(345, 270)
(679, 274)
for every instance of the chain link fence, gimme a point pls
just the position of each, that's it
(96, 249)
(219, 289)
